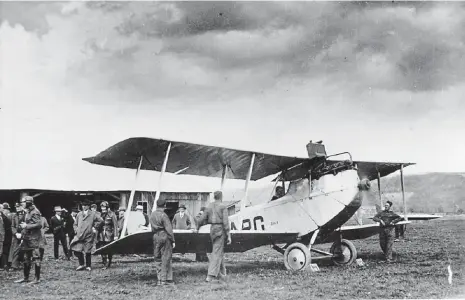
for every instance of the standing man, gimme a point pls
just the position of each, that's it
(216, 214)
(163, 243)
(43, 241)
(69, 226)
(121, 212)
(31, 236)
(8, 235)
(86, 225)
(181, 220)
(17, 219)
(387, 219)
(59, 235)
(108, 232)
(2, 234)
(200, 256)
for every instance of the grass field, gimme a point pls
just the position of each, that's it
(419, 271)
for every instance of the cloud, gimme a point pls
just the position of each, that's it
(380, 80)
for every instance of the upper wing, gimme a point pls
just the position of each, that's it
(189, 242)
(366, 169)
(195, 159)
(356, 232)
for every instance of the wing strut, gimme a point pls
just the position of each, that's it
(131, 199)
(245, 201)
(163, 169)
(379, 191)
(223, 176)
(403, 192)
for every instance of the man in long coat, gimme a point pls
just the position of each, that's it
(387, 219)
(163, 243)
(86, 226)
(31, 236)
(108, 232)
(216, 214)
(17, 218)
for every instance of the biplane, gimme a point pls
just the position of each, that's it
(323, 194)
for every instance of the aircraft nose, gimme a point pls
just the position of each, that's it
(364, 185)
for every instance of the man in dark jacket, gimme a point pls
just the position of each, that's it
(200, 256)
(58, 224)
(31, 236)
(163, 243)
(387, 219)
(107, 233)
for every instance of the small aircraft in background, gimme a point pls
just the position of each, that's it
(323, 194)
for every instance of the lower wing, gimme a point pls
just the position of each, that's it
(356, 232)
(189, 242)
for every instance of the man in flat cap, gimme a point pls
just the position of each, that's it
(108, 232)
(163, 243)
(216, 214)
(86, 226)
(58, 223)
(31, 236)
(387, 220)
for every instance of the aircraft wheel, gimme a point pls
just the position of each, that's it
(348, 255)
(297, 257)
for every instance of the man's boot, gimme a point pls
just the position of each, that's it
(37, 273)
(26, 271)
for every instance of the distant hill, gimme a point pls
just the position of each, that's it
(429, 193)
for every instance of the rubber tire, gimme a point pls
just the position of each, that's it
(353, 252)
(304, 250)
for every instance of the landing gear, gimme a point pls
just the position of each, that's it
(343, 252)
(297, 257)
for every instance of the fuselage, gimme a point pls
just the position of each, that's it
(329, 203)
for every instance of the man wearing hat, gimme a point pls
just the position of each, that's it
(8, 235)
(31, 237)
(163, 243)
(86, 227)
(58, 224)
(17, 218)
(387, 220)
(108, 232)
(216, 214)
(181, 220)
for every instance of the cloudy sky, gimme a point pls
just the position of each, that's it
(381, 80)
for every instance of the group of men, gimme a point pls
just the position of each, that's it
(23, 233)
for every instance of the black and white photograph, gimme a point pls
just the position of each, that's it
(232, 150)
